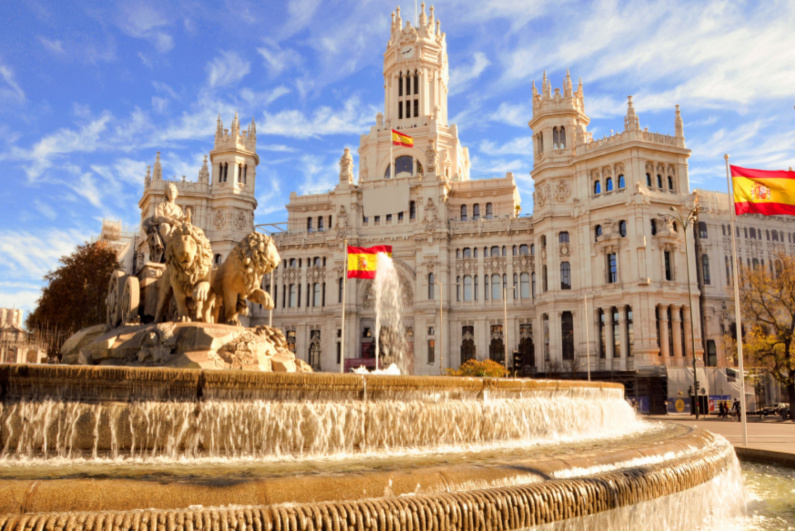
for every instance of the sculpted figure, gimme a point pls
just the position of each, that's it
(187, 277)
(158, 227)
(239, 278)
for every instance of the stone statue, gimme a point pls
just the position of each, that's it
(158, 227)
(346, 167)
(239, 278)
(431, 157)
(188, 259)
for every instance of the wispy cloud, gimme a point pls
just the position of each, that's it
(352, 118)
(226, 69)
(461, 77)
(30, 254)
(10, 89)
(144, 21)
(53, 45)
(277, 59)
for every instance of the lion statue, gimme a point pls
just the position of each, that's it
(239, 278)
(187, 276)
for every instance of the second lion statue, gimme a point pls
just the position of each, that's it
(239, 278)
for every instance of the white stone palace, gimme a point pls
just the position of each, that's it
(596, 278)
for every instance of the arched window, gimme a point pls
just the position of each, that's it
(504, 251)
(488, 211)
(524, 286)
(533, 285)
(653, 227)
(495, 251)
(565, 275)
(308, 224)
(648, 180)
(705, 268)
(597, 231)
(544, 284)
(416, 83)
(622, 228)
(467, 288)
(463, 212)
(523, 249)
(543, 242)
(609, 184)
(458, 253)
(562, 137)
(476, 212)
(467, 252)
(515, 251)
(563, 237)
(597, 188)
(404, 167)
(670, 183)
(320, 223)
(412, 210)
(659, 181)
(458, 289)
(555, 138)
(431, 287)
(621, 183)
(532, 249)
(474, 252)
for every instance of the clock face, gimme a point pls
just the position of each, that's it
(407, 51)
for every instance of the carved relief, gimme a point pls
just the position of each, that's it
(540, 195)
(562, 191)
(219, 218)
(240, 220)
(431, 215)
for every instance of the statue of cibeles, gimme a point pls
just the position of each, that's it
(159, 227)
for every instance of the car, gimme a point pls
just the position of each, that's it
(780, 408)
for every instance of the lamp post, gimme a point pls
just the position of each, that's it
(441, 326)
(686, 222)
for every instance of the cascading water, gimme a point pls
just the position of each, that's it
(389, 336)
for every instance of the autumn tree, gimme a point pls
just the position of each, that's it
(767, 301)
(74, 296)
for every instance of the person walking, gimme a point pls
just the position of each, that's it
(721, 410)
(736, 407)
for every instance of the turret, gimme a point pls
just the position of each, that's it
(157, 175)
(148, 178)
(234, 155)
(631, 121)
(204, 172)
(559, 118)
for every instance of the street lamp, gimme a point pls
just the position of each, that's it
(686, 222)
(441, 326)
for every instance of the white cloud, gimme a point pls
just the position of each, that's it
(55, 46)
(11, 90)
(29, 255)
(278, 59)
(518, 114)
(44, 209)
(461, 76)
(517, 146)
(145, 22)
(226, 69)
(352, 118)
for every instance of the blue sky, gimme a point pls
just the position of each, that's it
(90, 90)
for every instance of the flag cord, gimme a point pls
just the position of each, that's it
(344, 285)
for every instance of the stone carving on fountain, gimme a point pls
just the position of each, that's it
(190, 315)
(158, 227)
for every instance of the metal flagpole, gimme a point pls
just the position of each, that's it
(344, 284)
(505, 322)
(737, 315)
(587, 340)
(270, 312)
(391, 160)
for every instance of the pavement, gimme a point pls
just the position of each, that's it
(768, 439)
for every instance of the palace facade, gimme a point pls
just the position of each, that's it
(597, 278)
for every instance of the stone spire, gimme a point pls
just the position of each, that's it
(235, 129)
(148, 178)
(678, 125)
(546, 86)
(631, 121)
(423, 17)
(567, 89)
(204, 172)
(157, 175)
(252, 135)
(579, 89)
(219, 130)
(535, 91)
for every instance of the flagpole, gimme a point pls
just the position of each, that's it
(270, 312)
(587, 340)
(737, 314)
(391, 161)
(344, 285)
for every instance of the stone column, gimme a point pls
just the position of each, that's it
(676, 326)
(609, 339)
(664, 334)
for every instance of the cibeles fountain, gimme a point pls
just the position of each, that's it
(160, 447)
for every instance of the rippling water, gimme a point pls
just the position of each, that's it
(770, 493)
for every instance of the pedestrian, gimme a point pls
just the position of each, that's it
(721, 410)
(736, 407)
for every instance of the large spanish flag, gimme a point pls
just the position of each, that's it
(770, 193)
(399, 139)
(362, 261)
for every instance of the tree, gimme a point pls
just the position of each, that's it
(74, 296)
(488, 368)
(767, 301)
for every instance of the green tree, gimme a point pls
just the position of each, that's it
(74, 296)
(767, 301)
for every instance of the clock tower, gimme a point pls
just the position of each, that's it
(415, 103)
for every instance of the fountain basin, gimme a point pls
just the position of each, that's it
(410, 452)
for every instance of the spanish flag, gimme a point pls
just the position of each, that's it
(399, 139)
(362, 261)
(770, 193)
